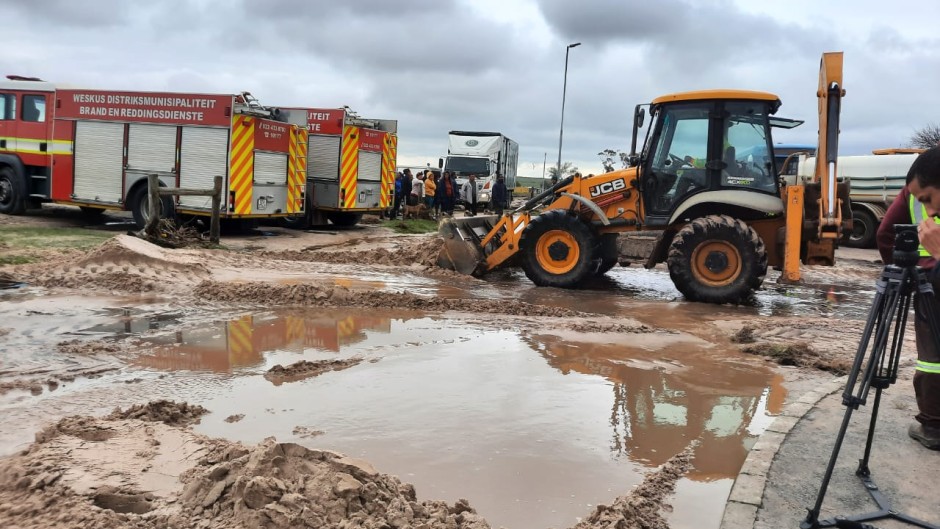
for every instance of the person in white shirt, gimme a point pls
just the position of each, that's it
(417, 191)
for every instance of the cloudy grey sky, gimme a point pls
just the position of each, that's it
(438, 65)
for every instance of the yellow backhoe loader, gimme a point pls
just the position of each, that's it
(705, 182)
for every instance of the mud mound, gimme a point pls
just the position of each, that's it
(608, 327)
(307, 369)
(287, 485)
(422, 252)
(643, 507)
(335, 296)
(124, 264)
(103, 481)
(801, 355)
(165, 411)
(84, 347)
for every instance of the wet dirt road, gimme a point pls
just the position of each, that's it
(535, 420)
(533, 427)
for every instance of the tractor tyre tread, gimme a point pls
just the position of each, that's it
(753, 257)
(557, 220)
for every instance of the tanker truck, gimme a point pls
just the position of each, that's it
(484, 155)
(874, 181)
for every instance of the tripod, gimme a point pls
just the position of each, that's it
(877, 367)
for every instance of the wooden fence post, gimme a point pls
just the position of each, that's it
(216, 206)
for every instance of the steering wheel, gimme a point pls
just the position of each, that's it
(680, 161)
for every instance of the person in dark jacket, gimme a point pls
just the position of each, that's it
(500, 196)
(447, 192)
(396, 205)
(919, 203)
(406, 186)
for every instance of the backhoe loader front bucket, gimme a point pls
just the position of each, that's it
(463, 247)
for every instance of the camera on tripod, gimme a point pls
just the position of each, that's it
(906, 244)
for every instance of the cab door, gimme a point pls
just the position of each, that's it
(33, 125)
(7, 122)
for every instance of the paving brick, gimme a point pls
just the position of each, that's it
(758, 463)
(748, 489)
(769, 441)
(738, 516)
(797, 409)
(783, 424)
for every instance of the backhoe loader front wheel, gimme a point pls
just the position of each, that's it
(606, 253)
(557, 250)
(717, 259)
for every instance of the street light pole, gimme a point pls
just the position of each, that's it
(564, 90)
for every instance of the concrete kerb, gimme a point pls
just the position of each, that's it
(748, 490)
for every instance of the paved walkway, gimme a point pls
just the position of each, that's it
(781, 477)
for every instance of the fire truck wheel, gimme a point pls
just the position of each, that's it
(557, 250)
(343, 218)
(138, 203)
(91, 214)
(607, 252)
(12, 192)
(717, 259)
(301, 222)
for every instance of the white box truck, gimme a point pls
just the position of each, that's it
(483, 154)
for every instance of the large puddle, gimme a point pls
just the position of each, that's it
(533, 428)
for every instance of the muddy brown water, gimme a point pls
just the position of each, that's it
(534, 428)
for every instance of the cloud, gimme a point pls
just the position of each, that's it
(438, 65)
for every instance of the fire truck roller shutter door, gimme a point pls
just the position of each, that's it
(270, 168)
(151, 148)
(99, 161)
(323, 158)
(203, 156)
(370, 166)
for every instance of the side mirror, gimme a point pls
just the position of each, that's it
(639, 116)
(440, 163)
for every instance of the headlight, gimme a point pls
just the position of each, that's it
(484, 197)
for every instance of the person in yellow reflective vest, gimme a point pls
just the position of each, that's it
(919, 203)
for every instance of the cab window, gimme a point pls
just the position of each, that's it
(34, 109)
(747, 157)
(7, 106)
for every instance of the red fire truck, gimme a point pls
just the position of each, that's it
(351, 165)
(95, 148)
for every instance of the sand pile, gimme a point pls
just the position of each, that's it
(116, 473)
(337, 296)
(643, 507)
(165, 411)
(122, 263)
(409, 252)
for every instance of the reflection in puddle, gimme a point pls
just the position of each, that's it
(664, 397)
(242, 342)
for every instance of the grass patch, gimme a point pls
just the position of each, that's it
(33, 237)
(16, 259)
(411, 226)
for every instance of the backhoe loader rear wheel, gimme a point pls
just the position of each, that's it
(557, 250)
(717, 259)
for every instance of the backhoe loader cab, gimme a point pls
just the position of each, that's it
(709, 153)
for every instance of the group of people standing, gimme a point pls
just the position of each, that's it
(441, 194)
(437, 194)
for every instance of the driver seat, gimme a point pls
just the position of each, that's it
(731, 165)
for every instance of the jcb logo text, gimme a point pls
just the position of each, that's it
(608, 187)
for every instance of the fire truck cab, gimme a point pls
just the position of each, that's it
(95, 148)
